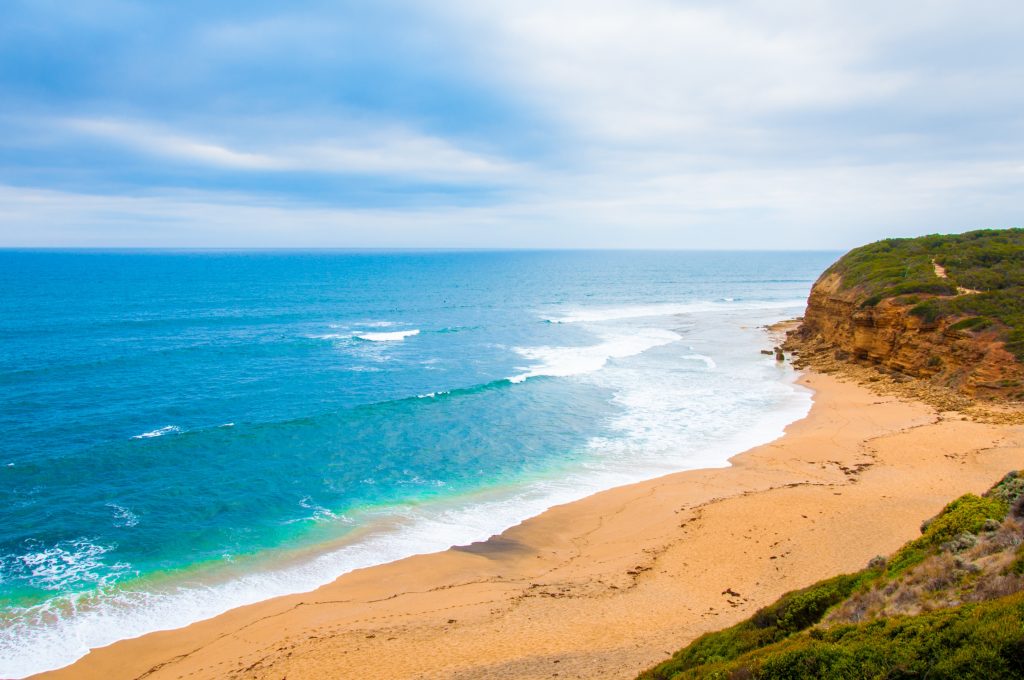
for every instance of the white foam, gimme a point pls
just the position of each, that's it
(598, 314)
(160, 432)
(123, 517)
(705, 359)
(567, 361)
(391, 336)
(355, 330)
(432, 395)
(320, 513)
(66, 565)
(364, 324)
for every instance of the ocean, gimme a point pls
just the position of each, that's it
(186, 432)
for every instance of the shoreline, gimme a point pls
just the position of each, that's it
(387, 532)
(608, 585)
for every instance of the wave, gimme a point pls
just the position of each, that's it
(433, 395)
(567, 361)
(708, 361)
(71, 564)
(57, 633)
(599, 314)
(123, 517)
(390, 336)
(320, 513)
(160, 432)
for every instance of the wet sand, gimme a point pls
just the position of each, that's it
(609, 585)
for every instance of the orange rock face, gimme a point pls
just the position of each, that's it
(975, 363)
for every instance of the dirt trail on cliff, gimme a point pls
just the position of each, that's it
(940, 272)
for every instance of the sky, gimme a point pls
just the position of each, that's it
(717, 124)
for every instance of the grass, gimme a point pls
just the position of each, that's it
(990, 261)
(826, 630)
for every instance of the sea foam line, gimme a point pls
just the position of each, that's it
(566, 361)
(391, 336)
(598, 314)
(159, 432)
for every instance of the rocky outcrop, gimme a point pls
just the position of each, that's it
(887, 335)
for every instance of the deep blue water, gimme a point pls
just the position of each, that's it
(187, 431)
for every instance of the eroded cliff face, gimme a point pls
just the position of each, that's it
(888, 335)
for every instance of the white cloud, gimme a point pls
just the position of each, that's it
(742, 208)
(379, 150)
(662, 123)
(651, 68)
(152, 140)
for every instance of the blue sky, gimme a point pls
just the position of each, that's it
(563, 123)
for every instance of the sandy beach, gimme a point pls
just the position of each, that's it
(609, 585)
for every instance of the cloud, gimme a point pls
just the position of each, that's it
(386, 150)
(172, 145)
(742, 79)
(656, 123)
(752, 208)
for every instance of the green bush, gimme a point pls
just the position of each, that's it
(975, 323)
(966, 514)
(1017, 566)
(793, 612)
(982, 640)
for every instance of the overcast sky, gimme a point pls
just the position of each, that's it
(521, 123)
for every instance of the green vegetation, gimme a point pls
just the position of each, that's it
(792, 613)
(961, 585)
(988, 262)
(982, 640)
(965, 515)
(1017, 566)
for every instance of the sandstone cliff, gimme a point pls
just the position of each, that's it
(976, 363)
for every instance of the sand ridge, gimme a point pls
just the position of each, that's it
(613, 583)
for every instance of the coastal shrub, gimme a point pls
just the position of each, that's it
(966, 514)
(982, 640)
(975, 323)
(931, 287)
(928, 311)
(1009, 489)
(1017, 566)
(793, 612)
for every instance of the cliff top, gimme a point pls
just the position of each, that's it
(976, 277)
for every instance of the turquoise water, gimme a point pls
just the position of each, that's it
(189, 431)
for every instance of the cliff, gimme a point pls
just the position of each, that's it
(905, 305)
